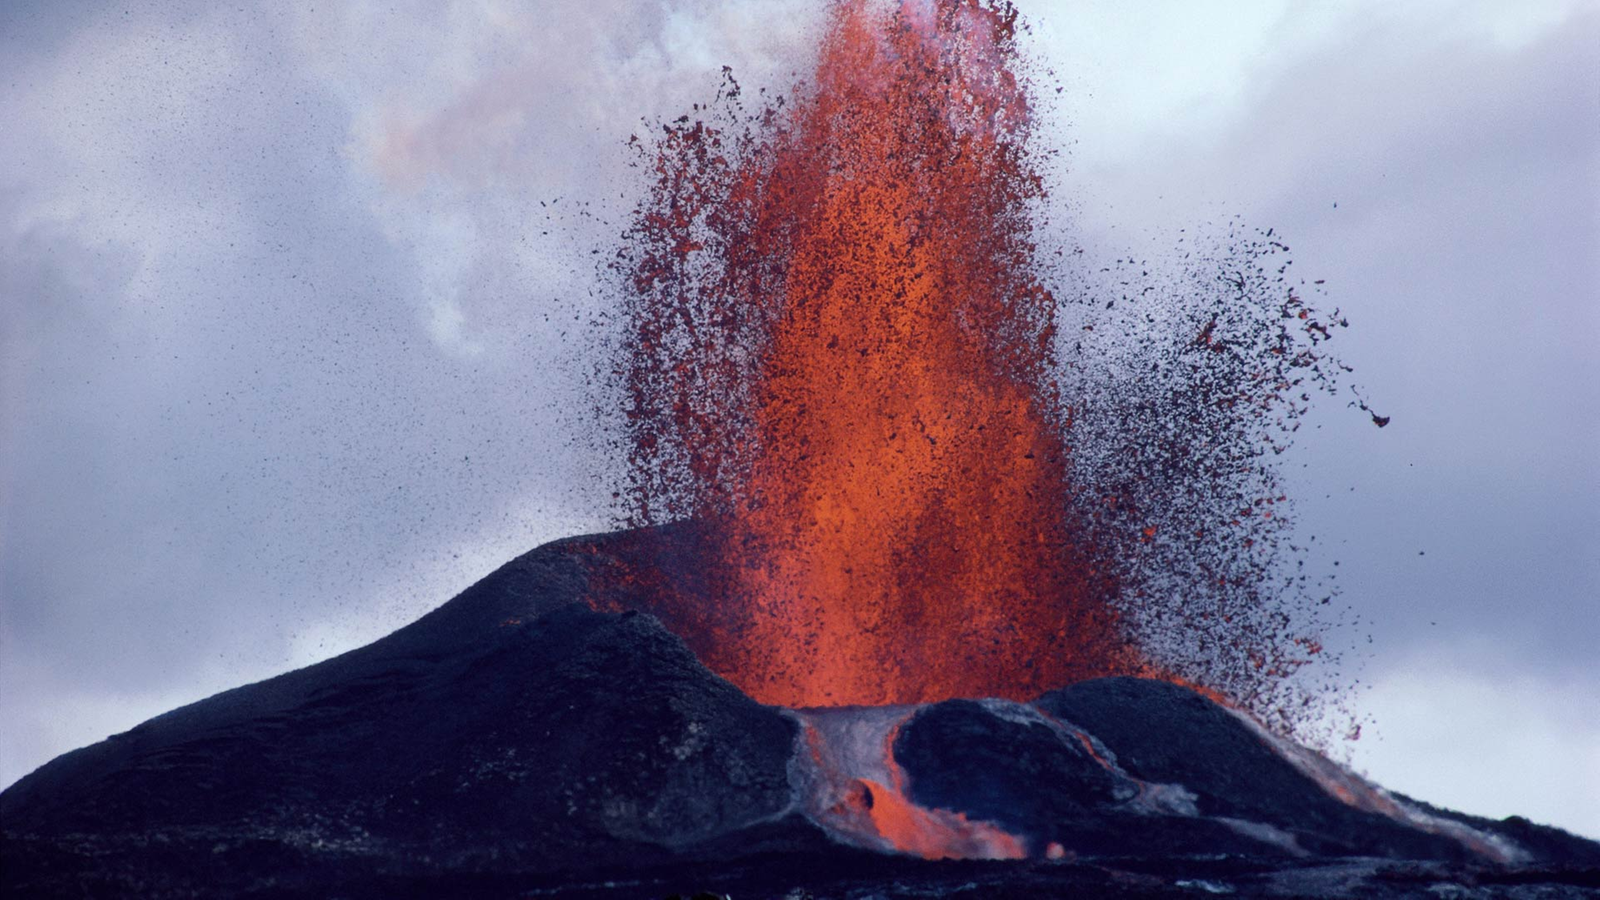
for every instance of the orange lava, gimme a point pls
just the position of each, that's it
(860, 794)
(925, 833)
(862, 390)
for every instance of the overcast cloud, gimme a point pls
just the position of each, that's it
(292, 306)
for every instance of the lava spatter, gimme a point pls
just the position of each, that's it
(842, 350)
(846, 359)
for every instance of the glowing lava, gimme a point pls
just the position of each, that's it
(840, 341)
(842, 361)
(856, 790)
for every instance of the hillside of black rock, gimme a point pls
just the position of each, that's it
(517, 742)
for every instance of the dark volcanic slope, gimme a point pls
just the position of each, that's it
(1186, 739)
(510, 725)
(516, 740)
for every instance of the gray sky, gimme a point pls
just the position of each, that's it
(288, 352)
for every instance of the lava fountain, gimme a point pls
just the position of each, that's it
(842, 361)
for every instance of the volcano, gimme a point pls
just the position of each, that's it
(923, 592)
(543, 734)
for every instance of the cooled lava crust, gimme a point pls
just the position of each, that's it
(529, 739)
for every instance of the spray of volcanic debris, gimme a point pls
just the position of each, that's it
(1188, 387)
(850, 358)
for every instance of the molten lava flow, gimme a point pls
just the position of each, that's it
(862, 388)
(857, 791)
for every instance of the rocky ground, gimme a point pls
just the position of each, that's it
(516, 742)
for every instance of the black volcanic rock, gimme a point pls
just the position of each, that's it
(1180, 737)
(1005, 763)
(961, 755)
(1164, 733)
(602, 725)
(516, 740)
(509, 726)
